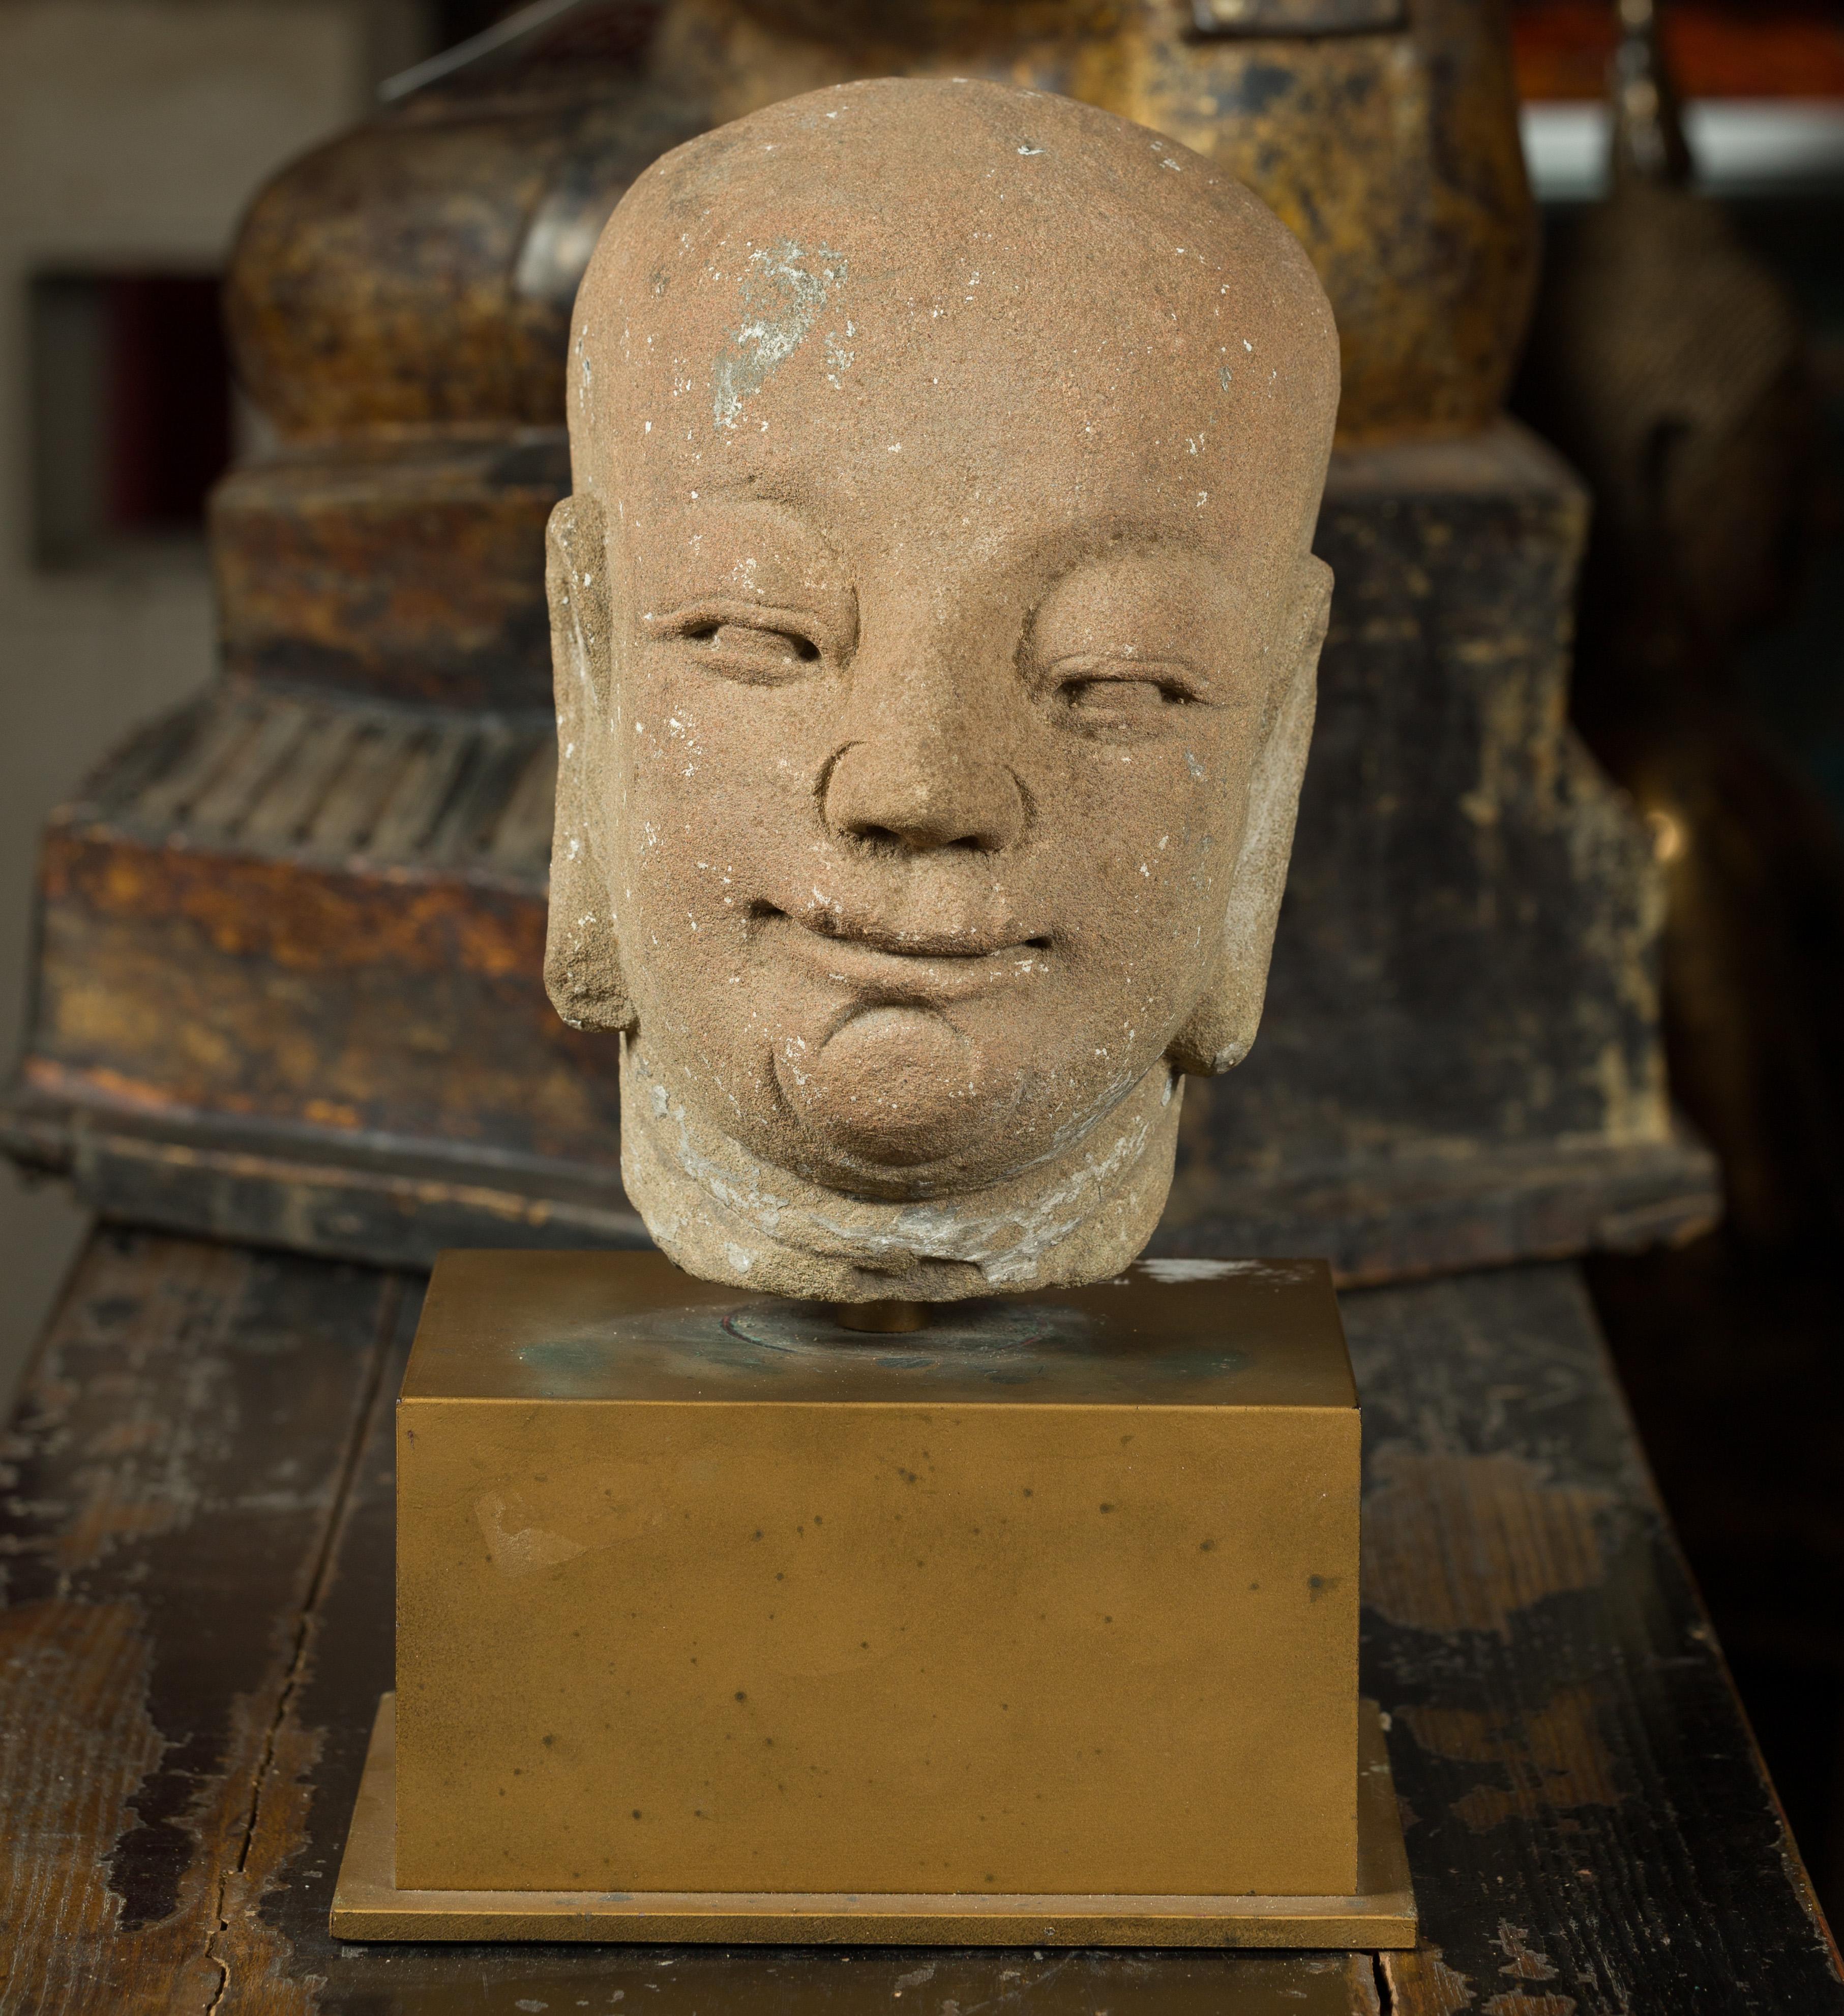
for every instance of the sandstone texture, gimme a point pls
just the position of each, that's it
(935, 629)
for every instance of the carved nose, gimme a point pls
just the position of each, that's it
(922, 795)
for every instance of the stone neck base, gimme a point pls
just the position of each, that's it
(725, 1215)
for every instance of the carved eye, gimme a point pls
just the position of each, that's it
(1122, 696)
(1139, 698)
(755, 653)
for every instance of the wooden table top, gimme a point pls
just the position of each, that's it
(196, 1556)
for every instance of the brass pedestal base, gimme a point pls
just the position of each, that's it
(367, 1905)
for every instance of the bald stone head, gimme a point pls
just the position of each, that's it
(936, 625)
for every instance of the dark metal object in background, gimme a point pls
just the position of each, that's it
(1668, 362)
(1669, 365)
(289, 980)
(1459, 1060)
(1297, 17)
(1648, 140)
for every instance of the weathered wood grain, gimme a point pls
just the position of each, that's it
(243, 991)
(242, 784)
(287, 810)
(1729, 1353)
(1590, 1828)
(172, 1477)
(198, 1555)
(399, 571)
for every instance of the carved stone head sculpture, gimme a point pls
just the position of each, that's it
(936, 627)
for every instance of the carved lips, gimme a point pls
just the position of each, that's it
(878, 963)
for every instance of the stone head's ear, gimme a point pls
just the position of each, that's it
(1221, 1031)
(581, 971)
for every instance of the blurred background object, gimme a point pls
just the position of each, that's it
(132, 133)
(288, 987)
(1687, 355)
(1762, 88)
(1671, 366)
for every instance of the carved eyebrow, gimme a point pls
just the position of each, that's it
(1045, 604)
(1150, 663)
(739, 493)
(1098, 540)
(1103, 547)
(697, 609)
(745, 529)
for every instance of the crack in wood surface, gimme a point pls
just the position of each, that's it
(76, 1743)
(275, 1825)
(1421, 1984)
(162, 1538)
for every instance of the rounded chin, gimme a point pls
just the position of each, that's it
(913, 1154)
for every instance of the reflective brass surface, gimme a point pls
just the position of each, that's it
(367, 1905)
(890, 1319)
(700, 1591)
